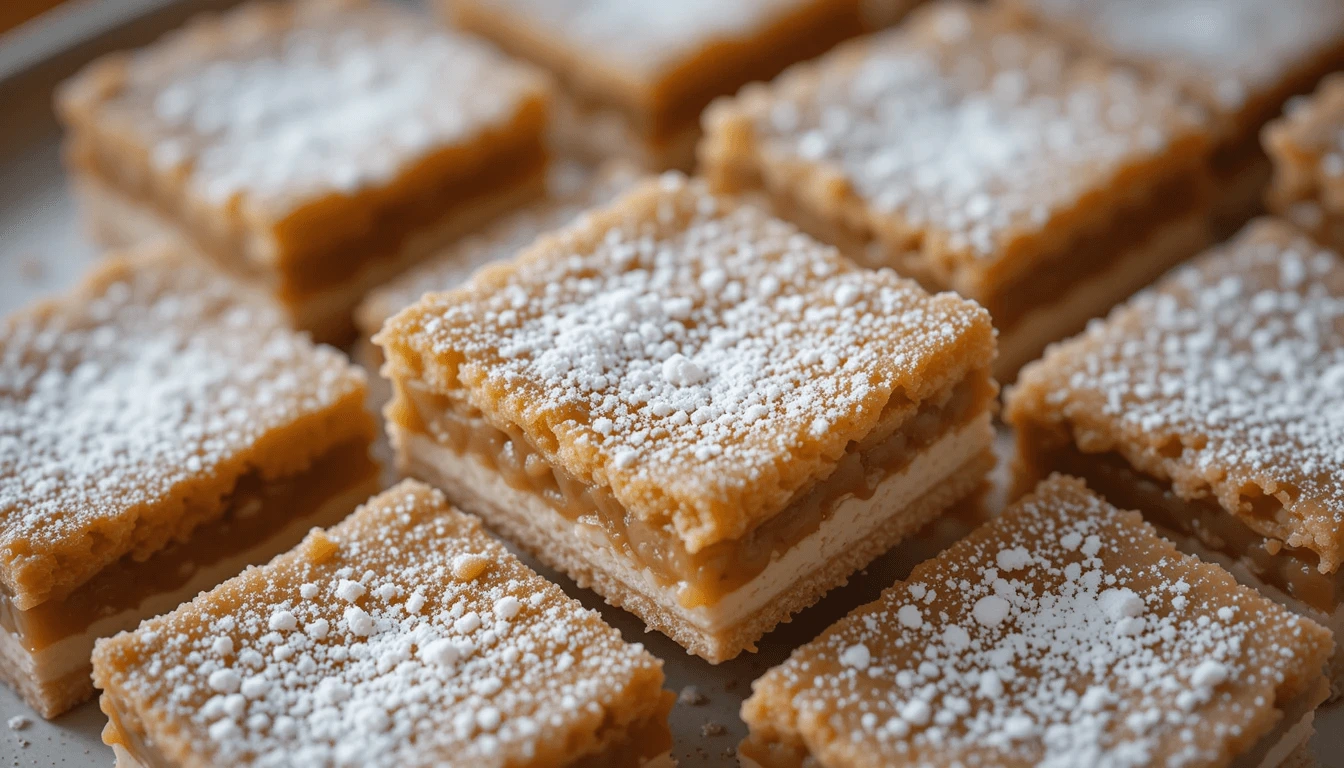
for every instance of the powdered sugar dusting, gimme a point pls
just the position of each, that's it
(689, 353)
(963, 127)
(153, 376)
(648, 39)
(1236, 50)
(1227, 376)
(502, 669)
(277, 105)
(567, 197)
(1307, 147)
(1083, 661)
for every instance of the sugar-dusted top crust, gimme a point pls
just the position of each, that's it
(1063, 633)
(1226, 378)
(1307, 145)
(406, 636)
(1228, 51)
(957, 131)
(644, 41)
(701, 359)
(130, 407)
(571, 189)
(276, 104)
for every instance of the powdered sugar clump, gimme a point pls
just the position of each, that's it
(1071, 660)
(1229, 376)
(501, 669)
(689, 352)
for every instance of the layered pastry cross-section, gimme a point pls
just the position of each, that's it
(637, 75)
(1064, 632)
(973, 155)
(703, 414)
(312, 148)
(1214, 403)
(571, 189)
(1239, 59)
(1306, 146)
(404, 636)
(159, 430)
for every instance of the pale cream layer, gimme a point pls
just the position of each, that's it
(852, 520)
(72, 653)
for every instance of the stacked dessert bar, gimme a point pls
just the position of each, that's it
(159, 430)
(975, 156)
(703, 414)
(1306, 146)
(312, 149)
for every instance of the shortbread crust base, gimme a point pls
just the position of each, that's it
(114, 220)
(58, 677)
(528, 520)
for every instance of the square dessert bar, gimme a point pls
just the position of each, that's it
(976, 156)
(570, 190)
(637, 75)
(405, 636)
(1065, 632)
(313, 148)
(159, 430)
(1214, 403)
(1306, 146)
(703, 414)
(1240, 59)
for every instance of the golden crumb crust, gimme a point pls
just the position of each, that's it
(413, 639)
(1061, 632)
(130, 407)
(699, 358)
(1226, 379)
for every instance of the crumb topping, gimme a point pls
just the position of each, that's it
(1236, 50)
(129, 408)
(701, 359)
(1063, 633)
(1226, 378)
(383, 653)
(571, 190)
(647, 39)
(962, 127)
(271, 105)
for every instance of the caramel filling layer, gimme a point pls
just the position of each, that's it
(1292, 570)
(1105, 242)
(703, 577)
(257, 509)
(327, 242)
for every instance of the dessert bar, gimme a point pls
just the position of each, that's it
(405, 636)
(312, 148)
(637, 75)
(1065, 632)
(970, 154)
(703, 414)
(159, 430)
(1306, 146)
(1240, 59)
(570, 190)
(1214, 403)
